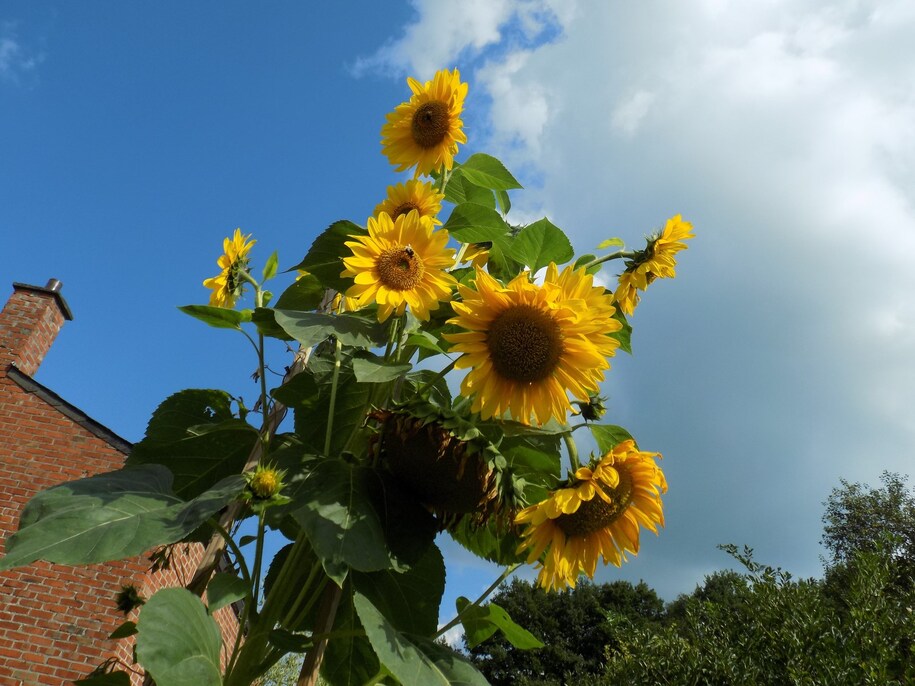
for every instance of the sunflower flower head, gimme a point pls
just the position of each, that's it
(412, 195)
(528, 346)
(425, 130)
(445, 463)
(227, 286)
(597, 515)
(400, 262)
(657, 260)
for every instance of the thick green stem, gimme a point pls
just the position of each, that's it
(572, 449)
(333, 397)
(619, 254)
(476, 603)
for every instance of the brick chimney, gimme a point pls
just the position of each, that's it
(29, 324)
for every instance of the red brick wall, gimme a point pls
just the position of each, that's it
(54, 619)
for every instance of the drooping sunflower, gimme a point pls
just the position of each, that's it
(657, 260)
(400, 262)
(227, 285)
(528, 346)
(597, 515)
(412, 195)
(425, 130)
(445, 463)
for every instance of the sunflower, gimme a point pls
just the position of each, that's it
(400, 262)
(657, 260)
(227, 285)
(528, 346)
(412, 195)
(597, 515)
(426, 130)
(445, 463)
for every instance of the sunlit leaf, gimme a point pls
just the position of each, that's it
(370, 368)
(608, 436)
(218, 317)
(177, 641)
(110, 516)
(270, 267)
(488, 172)
(309, 328)
(325, 258)
(413, 660)
(540, 243)
(195, 435)
(611, 243)
(482, 622)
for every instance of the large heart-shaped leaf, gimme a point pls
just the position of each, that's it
(177, 641)
(349, 660)
(309, 328)
(325, 258)
(540, 243)
(195, 434)
(410, 600)
(413, 660)
(111, 516)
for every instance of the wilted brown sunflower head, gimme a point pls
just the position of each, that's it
(455, 478)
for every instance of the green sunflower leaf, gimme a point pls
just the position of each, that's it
(270, 267)
(540, 243)
(409, 600)
(413, 660)
(370, 368)
(349, 404)
(611, 243)
(325, 258)
(488, 172)
(218, 317)
(177, 641)
(309, 328)
(349, 659)
(505, 204)
(462, 189)
(225, 589)
(624, 335)
(482, 622)
(195, 434)
(111, 516)
(474, 223)
(305, 293)
(426, 341)
(608, 436)
(488, 542)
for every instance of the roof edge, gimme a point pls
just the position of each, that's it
(28, 384)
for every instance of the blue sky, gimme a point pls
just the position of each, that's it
(134, 137)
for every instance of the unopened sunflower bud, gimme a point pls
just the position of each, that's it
(592, 410)
(265, 481)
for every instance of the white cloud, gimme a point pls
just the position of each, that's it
(16, 61)
(628, 115)
(445, 31)
(784, 131)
